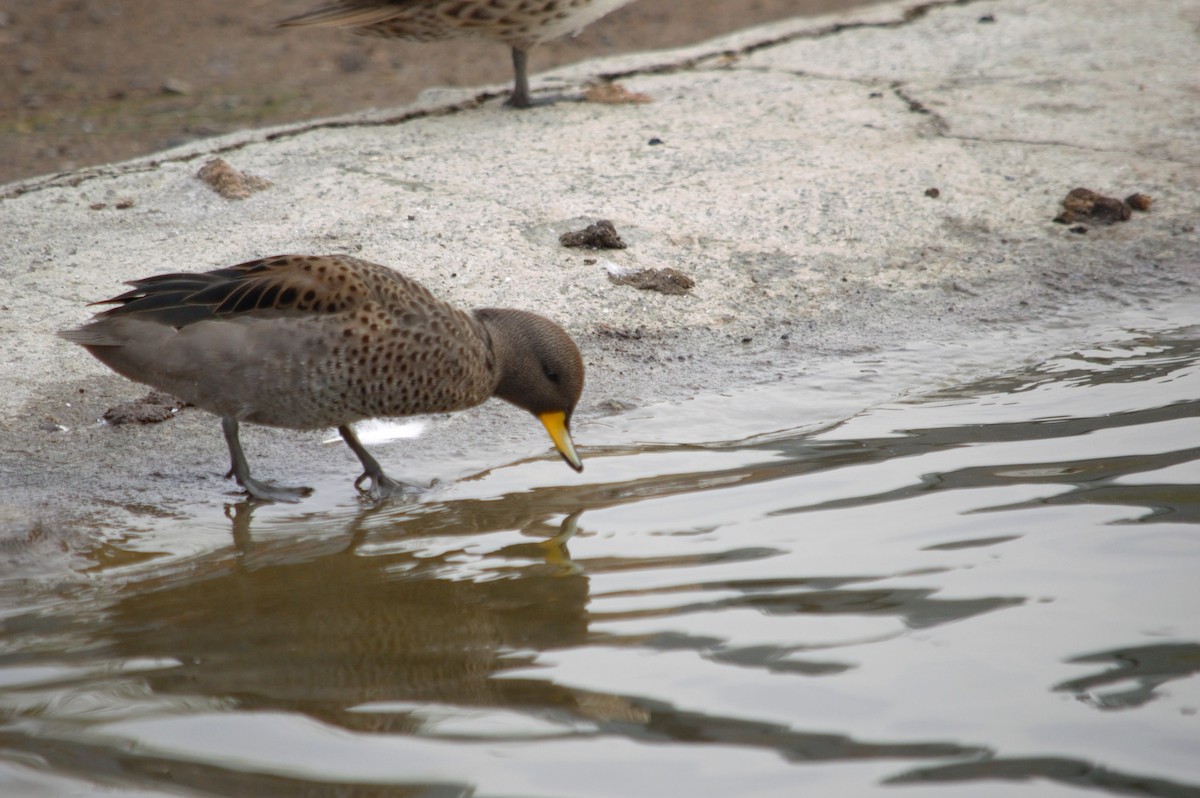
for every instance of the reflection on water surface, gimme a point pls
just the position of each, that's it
(991, 585)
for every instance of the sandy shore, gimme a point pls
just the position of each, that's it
(831, 185)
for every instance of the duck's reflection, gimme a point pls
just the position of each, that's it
(322, 635)
(370, 635)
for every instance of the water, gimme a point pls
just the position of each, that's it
(988, 587)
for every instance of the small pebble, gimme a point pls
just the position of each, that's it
(1139, 202)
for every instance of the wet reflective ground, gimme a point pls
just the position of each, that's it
(992, 588)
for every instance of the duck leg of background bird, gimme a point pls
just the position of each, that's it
(520, 97)
(240, 470)
(381, 484)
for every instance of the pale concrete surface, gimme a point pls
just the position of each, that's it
(790, 183)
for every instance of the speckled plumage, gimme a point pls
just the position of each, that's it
(310, 342)
(521, 24)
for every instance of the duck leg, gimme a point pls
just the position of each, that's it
(520, 97)
(239, 469)
(382, 485)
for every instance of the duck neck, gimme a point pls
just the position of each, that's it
(498, 326)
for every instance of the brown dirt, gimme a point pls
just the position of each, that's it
(666, 281)
(601, 234)
(84, 82)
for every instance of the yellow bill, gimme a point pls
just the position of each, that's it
(555, 423)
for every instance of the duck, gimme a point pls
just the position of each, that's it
(323, 341)
(521, 24)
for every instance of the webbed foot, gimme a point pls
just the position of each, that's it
(266, 492)
(384, 487)
(240, 470)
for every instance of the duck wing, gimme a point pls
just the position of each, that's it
(349, 14)
(276, 286)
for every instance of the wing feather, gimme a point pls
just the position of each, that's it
(347, 15)
(282, 285)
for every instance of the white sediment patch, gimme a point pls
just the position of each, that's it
(383, 430)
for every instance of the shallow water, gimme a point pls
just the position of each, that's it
(988, 587)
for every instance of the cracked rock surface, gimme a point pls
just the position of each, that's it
(784, 169)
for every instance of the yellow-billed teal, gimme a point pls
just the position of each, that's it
(310, 342)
